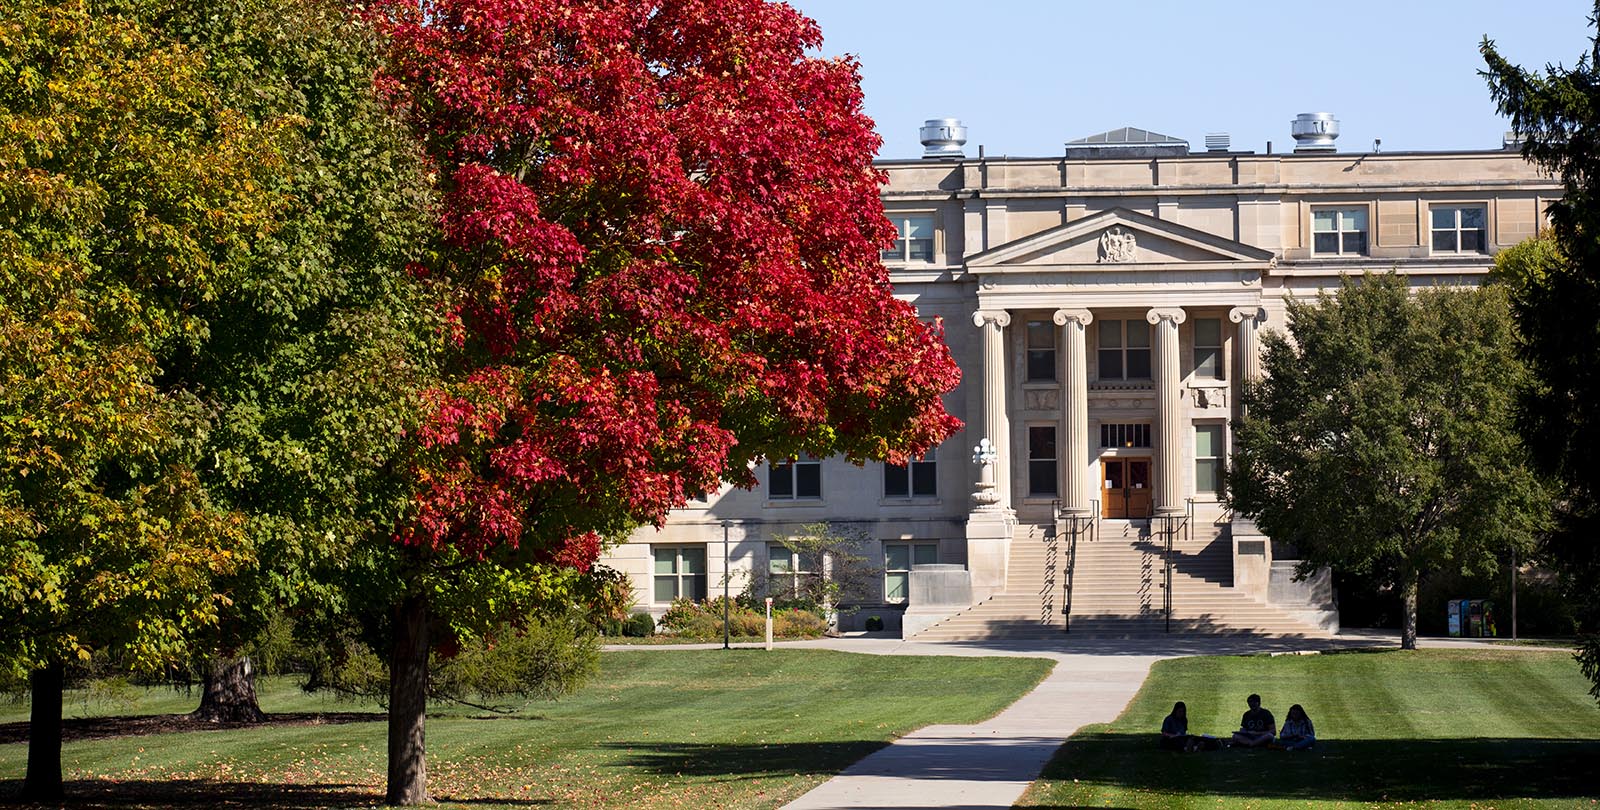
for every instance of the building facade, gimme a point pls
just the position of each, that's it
(1104, 307)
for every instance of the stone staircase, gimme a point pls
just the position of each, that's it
(1118, 590)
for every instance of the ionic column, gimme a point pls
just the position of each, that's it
(1169, 410)
(995, 428)
(1247, 350)
(1074, 410)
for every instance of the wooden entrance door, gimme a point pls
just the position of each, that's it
(1125, 488)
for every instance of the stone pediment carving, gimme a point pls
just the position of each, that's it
(1118, 239)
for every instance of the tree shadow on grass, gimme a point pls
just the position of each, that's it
(127, 794)
(99, 728)
(1338, 770)
(744, 760)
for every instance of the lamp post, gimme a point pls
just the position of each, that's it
(725, 618)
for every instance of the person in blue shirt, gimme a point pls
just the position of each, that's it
(1297, 733)
(1175, 730)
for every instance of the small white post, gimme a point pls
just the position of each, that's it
(769, 622)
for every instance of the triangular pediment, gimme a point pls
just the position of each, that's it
(1118, 238)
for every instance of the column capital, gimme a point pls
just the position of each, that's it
(1174, 314)
(999, 317)
(1081, 317)
(1242, 314)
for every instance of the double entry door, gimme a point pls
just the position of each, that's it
(1125, 488)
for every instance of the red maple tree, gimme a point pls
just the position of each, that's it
(660, 234)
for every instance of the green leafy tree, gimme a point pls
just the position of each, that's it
(128, 195)
(1382, 437)
(1558, 307)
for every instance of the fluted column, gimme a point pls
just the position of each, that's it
(1247, 349)
(1074, 410)
(1169, 410)
(995, 427)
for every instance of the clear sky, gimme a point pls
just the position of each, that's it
(1025, 76)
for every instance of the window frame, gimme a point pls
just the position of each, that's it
(891, 573)
(1340, 233)
(1220, 371)
(1217, 459)
(1037, 464)
(924, 469)
(1456, 231)
(904, 252)
(791, 469)
(678, 574)
(1039, 358)
(798, 567)
(1123, 351)
(1126, 435)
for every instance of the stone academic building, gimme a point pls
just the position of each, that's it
(1104, 306)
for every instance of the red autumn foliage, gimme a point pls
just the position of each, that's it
(661, 230)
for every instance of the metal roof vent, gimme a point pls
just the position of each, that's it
(943, 138)
(1314, 132)
(1218, 142)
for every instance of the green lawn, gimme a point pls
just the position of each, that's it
(658, 728)
(1438, 728)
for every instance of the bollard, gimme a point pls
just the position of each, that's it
(769, 622)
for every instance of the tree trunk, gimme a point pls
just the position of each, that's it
(42, 784)
(1408, 609)
(229, 694)
(408, 704)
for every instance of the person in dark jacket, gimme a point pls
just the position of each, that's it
(1257, 727)
(1175, 730)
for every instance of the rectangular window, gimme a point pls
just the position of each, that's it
(1339, 232)
(917, 479)
(1042, 460)
(914, 239)
(1041, 351)
(897, 561)
(680, 572)
(788, 571)
(1124, 350)
(795, 480)
(1459, 229)
(1208, 459)
(1208, 348)
(1135, 434)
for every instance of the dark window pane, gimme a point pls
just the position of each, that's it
(1444, 217)
(1139, 334)
(808, 480)
(1472, 240)
(894, 481)
(697, 587)
(1444, 240)
(924, 479)
(1356, 243)
(780, 481)
(1041, 364)
(1042, 477)
(1110, 364)
(1472, 218)
(1138, 364)
(1041, 335)
(1208, 363)
(921, 250)
(1042, 442)
(1326, 243)
(1208, 332)
(1111, 334)
(926, 554)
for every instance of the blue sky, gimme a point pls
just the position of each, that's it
(1027, 75)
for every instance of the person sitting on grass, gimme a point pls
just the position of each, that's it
(1175, 730)
(1298, 734)
(1257, 728)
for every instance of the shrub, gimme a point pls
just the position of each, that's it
(874, 624)
(688, 619)
(638, 625)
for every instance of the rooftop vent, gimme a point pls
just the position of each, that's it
(1218, 142)
(943, 138)
(1314, 132)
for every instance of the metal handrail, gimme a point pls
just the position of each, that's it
(1078, 524)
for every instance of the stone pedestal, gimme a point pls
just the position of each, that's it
(937, 592)
(1252, 559)
(988, 551)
